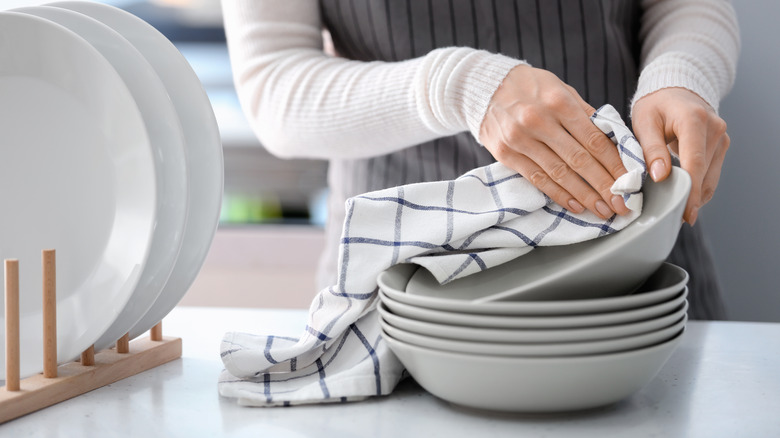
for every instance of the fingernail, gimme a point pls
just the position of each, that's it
(575, 206)
(707, 195)
(618, 204)
(657, 169)
(603, 209)
(694, 216)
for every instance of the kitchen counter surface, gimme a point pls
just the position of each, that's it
(723, 381)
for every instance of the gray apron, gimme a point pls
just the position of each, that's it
(591, 45)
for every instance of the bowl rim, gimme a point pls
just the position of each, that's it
(535, 321)
(536, 361)
(529, 336)
(530, 308)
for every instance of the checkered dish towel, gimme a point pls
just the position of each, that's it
(484, 218)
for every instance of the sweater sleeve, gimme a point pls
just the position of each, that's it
(303, 103)
(692, 44)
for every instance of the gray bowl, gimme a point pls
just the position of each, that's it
(529, 384)
(611, 265)
(666, 282)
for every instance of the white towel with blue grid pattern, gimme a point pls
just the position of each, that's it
(486, 217)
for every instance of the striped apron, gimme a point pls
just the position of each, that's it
(591, 45)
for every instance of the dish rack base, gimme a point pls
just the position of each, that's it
(74, 379)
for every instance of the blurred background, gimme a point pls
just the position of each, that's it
(270, 235)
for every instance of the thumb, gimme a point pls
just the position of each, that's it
(651, 137)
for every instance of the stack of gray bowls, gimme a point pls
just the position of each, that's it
(580, 346)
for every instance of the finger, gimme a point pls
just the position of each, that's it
(549, 168)
(693, 158)
(542, 181)
(597, 144)
(713, 173)
(583, 165)
(600, 147)
(572, 181)
(674, 148)
(650, 134)
(716, 134)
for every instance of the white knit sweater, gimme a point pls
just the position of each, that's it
(304, 103)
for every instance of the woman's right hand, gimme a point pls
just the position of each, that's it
(540, 127)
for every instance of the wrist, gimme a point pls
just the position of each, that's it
(480, 84)
(675, 70)
(460, 83)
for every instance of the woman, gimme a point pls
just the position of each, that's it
(427, 90)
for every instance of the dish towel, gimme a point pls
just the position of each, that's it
(486, 217)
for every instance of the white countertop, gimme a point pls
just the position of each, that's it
(723, 381)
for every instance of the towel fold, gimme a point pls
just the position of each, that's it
(486, 217)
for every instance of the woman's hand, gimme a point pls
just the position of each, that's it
(540, 127)
(689, 126)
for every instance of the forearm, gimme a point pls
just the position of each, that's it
(304, 103)
(693, 44)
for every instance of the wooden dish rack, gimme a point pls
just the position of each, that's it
(62, 382)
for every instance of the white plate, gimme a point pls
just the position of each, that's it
(529, 336)
(203, 149)
(77, 174)
(167, 139)
(529, 384)
(520, 322)
(607, 266)
(538, 350)
(663, 284)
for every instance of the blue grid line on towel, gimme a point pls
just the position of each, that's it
(355, 296)
(496, 197)
(323, 385)
(318, 334)
(277, 377)
(470, 239)
(450, 214)
(381, 242)
(269, 344)
(334, 321)
(492, 183)
(372, 354)
(527, 240)
(343, 269)
(416, 206)
(466, 263)
(627, 151)
(267, 387)
(224, 353)
(538, 238)
(557, 221)
(397, 231)
(267, 352)
(479, 261)
(605, 227)
(238, 347)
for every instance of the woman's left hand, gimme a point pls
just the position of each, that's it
(679, 118)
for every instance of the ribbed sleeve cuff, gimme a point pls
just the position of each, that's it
(482, 74)
(458, 86)
(675, 69)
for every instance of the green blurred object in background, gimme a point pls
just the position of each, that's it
(241, 209)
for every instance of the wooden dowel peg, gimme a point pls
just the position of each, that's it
(12, 325)
(48, 260)
(156, 332)
(123, 344)
(88, 356)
